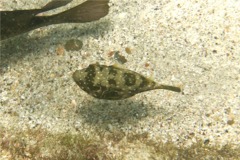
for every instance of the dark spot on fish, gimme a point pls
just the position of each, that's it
(129, 78)
(112, 82)
(95, 88)
(144, 82)
(112, 94)
(112, 71)
(101, 68)
(91, 73)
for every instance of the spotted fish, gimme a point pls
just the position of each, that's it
(114, 83)
(17, 22)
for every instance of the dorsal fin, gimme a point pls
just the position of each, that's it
(55, 4)
(118, 65)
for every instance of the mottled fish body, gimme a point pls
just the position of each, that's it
(114, 83)
(17, 22)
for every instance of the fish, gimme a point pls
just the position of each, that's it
(17, 22)
(115, 83)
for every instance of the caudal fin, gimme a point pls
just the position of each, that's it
(88, 11)
(171, 88)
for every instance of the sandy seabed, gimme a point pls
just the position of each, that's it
(193, 44)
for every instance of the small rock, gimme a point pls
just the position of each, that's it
(111, 53)
(230, 120)
(128, 50)
(206, 141)
(121, 59)
(73, 45)
(60, 50)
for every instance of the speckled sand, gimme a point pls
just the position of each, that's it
(194, 44)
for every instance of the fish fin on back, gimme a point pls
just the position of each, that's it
(55, 4)
(88, 11)
(119, 66)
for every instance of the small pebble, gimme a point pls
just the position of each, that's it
(73, 45)
(147, 64)
(128, 50)
(60, 50)
(111, 53)
(74, 103)
(206, 141)
(230, 120)
(121, 59)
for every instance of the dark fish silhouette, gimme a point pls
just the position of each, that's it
(114, 83)
(20, 21)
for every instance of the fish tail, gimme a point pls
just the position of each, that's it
(171, 88)
(88, 11)
(40, 21)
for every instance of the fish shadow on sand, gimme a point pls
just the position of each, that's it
(15, 49)
(102, 113)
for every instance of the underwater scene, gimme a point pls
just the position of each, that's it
(119, 79)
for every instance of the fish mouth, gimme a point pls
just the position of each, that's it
(79, 75)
